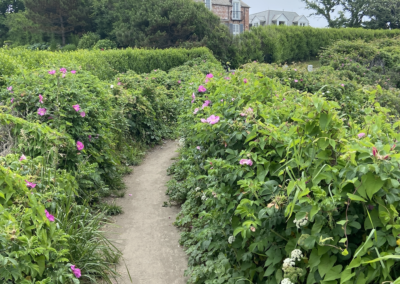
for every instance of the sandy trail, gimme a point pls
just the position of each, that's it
(144, 232)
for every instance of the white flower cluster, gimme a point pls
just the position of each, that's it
(181, 142)
(296, 255)
(197, 188)
(286, 281)
(231, 239)
(204, 197)
(288, 262)
(302, 222)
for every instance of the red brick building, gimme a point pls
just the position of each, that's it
(233, 13)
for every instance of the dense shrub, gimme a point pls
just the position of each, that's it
(88, 40)
(105, 44)
(103, 64)
(290, 43)
(278, 185)
(69, 47)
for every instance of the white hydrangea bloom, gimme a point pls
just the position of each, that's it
(286, 281)
(288, 262)
(231, 239)
(296, 255)
(302, 222)
(204, 197)
(182, 142)
(197, 188)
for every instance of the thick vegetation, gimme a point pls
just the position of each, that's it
(279, 185)
(72, 132)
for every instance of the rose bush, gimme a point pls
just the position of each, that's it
(282, 189)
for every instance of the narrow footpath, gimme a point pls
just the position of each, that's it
(144, 232)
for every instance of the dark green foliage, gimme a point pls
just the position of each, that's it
(88, 40)
(105, 44)
(69, 47)
(383, 14)
(287, 44)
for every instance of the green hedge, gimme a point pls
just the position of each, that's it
(104, 64)
(285, 44)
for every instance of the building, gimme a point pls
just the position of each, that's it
(233, 13)
(271, 17)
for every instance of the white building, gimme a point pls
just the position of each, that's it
(272, 17)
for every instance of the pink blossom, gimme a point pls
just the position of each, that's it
(10, 88)
(130, 194)
(73, 71)
(210, 75)
(22, 157)
(40, 99)
(245, 80)
(227, 78)
(76, 107)
(242, 114)
(79, 145)
(361, 135)
(90, 138)
(233, 99)
(374, 151)
(196, 110)
(76, 271)
(246, 162)
(202, 89)
(203, 120)
(295, 81)
(179, 81)
(63, 75)
(295, 69)
(49, 216)
(206, 104)
(12, 100)
(206, 81)
(30, 184)
(119, 83)
(63, 70)
(198, 147)
(342, 85)
(222, 101)
(52, 72)
(213, 119)
(83, 114)
(41, 111)
(193, 97)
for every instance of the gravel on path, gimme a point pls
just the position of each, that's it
(144, 232)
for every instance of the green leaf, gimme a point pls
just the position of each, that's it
(324, 120)
(346, 275)
(334, 273)
(327, 262)
(386, 257)
(370, 184)
(41, 260)
(356, 197)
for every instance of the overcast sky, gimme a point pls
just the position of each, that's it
(287, 5)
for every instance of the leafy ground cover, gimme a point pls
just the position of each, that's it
(279, 185)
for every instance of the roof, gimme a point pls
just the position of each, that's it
(277, 16)
(295, 20)
(225, 3)
(271, 14)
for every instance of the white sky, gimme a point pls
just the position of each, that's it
(288, 5)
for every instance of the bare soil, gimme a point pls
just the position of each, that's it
(144, 232)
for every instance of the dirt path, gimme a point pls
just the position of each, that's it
(144, 232)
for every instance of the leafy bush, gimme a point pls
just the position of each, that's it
(105, 44)
(38, 46)
(88, 40)
(69, 47)
(291, 43)
(103, 64)
(278, 185)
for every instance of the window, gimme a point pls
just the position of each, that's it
(303, 24)
(282, 23)
(208, 4)
(236, 29)
(255, 25)
(236, 13)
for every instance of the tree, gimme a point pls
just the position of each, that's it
(8, 7)
(326, 8)
(383, 14)
(357, 10)
(59, 17)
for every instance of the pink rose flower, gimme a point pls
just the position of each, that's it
(206, 104)
(76, 271)
(10, 88)
(210, 76)
(52, 72)
(41, 111)
(63, 70)
(12, 100)
(361, 135)
(198, 147)
(22, 157)
(83, 114)
(196, 110)
(76, 107)
(79, 146)
(73, 71)
(246, 162)
(49, 216)
(213, 119)
(202, 89)
(40, 98)
(30, 184)
(245, 80)
(295, 81)
(203, 120)
(193, 98)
